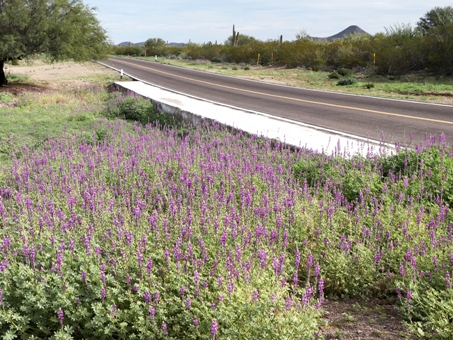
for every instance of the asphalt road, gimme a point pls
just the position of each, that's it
(394, 121)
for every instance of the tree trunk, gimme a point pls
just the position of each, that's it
(3, 80)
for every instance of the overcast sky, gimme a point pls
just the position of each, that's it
(202, 21)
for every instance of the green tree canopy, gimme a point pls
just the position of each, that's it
(155, 46)
(62, 29)
(437, 17)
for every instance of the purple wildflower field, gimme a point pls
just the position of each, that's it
(214, 234)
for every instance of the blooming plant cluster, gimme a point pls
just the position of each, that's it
(151, 232)
(384, 227)
(147, 234)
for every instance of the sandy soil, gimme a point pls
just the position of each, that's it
(55, 75)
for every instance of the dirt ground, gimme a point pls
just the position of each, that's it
(355, 319)
(350, 319)
(54, 76)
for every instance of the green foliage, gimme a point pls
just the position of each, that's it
(136, 108)
(155, 46)
(14, 78)
(131, 50)
(347, 81)
(243, 39)
(432, 312)
(400, 50)
(6, 97)
(345, 72)
(437, 17)
(63, 30)
(334, 75)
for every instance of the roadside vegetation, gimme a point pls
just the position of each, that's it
(120, 222)
(405, 61)
(114, 229)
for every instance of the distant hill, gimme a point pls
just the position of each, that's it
(128, 43)
(346, 32)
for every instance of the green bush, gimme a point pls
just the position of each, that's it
(334, 75)
(346, 82)
(345, 72)
(131, 107)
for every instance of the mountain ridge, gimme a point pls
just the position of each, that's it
(353, 29)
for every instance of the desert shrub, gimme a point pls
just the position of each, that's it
(347, 81)
(300, 53)
(136, 108)
(345, 72)
(334, 75)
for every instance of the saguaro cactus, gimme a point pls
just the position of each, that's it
(233, 37)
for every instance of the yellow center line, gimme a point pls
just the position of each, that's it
(294, 99)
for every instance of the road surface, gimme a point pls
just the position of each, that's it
(393, 121)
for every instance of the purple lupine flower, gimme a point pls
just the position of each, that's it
(164, 328)
(59, 260)
(321, 287)
(60, 315)
(149, 266)
(402, 270)
(140, 258)
(156, 297)
(147, 297)
(188, 303)
(255, 295)
(196, 278)
(219, 281)
(152, 311)
(306, 297)
(288, 303)
(195, 322)
(262, 255)
(214, 328)
(230, 287)
(317, 269)
(448, 280)
(103, 293)
(377, 257)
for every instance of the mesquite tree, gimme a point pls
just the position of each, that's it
(62, 29)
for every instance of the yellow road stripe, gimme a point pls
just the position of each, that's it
(294, 99)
